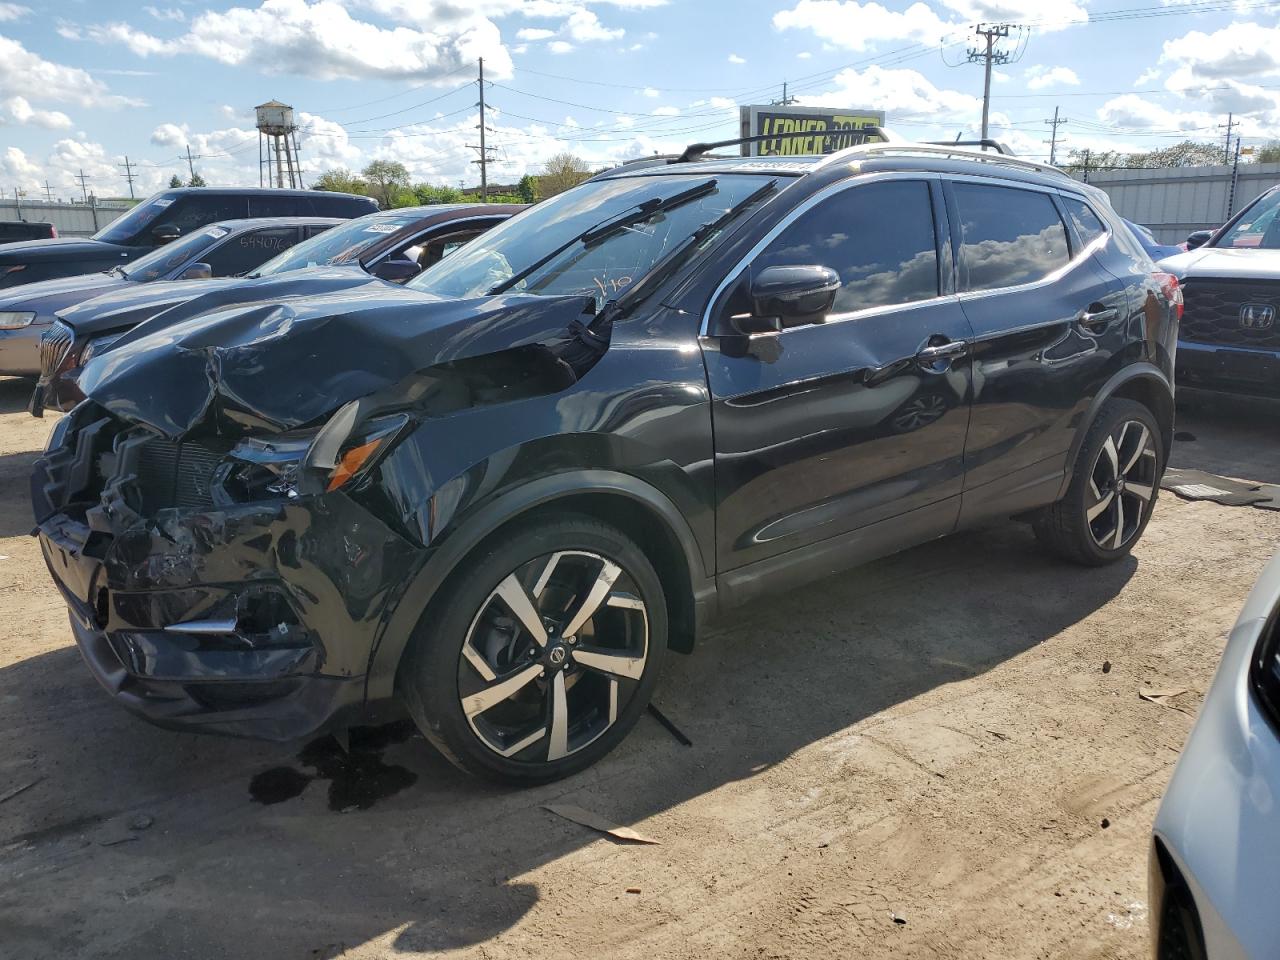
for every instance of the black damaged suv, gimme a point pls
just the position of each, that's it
(499, 494)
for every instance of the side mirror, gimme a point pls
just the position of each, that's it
(1198, 239)
(197, 271)
(784, 297)
(162, 233)
(396, 270)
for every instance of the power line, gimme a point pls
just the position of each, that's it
(989, 56)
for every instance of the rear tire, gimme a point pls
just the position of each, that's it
(540, 653)
(1113, 489)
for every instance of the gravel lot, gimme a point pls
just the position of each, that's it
(931, 738)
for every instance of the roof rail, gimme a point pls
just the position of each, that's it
(936, 150)
(986, 143)
(696, 150)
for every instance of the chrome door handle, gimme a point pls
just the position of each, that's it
(1097, 316)
(942, 351)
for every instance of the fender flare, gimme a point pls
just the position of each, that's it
(1144, 370)
(457, 543)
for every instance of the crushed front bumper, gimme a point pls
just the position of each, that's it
(255, 620)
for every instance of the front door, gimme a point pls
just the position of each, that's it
(825, 429)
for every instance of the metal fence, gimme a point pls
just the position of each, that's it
(1174, 201)
(71, 219)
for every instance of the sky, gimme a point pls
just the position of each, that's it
(86, 83)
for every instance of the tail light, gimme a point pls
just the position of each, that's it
(54, 234)
(1168, 284)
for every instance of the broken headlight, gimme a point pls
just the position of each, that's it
(319, 461)
(15, 319)
(98, 344)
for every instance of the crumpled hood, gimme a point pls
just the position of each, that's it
(59, 250)
(46, 296)
(1244, 263)
(148, 301)
(276, 366)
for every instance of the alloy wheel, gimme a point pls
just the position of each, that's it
(553, 656)
(1121, 485)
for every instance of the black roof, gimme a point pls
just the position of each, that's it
(257, 192)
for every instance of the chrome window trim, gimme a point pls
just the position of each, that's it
(799, 210)
(1086, 251)
(418, 236)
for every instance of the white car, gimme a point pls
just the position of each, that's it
(1215, 858)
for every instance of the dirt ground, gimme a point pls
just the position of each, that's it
(925, 757)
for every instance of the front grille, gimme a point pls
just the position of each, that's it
(174, 474)
(54, 346)
(1212, 313)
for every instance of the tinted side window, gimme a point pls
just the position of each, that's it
(279, 206)
(1086, 222)
(1008, 236)
(331, 205)
(193, 212)
(879, 237)
(250, 249)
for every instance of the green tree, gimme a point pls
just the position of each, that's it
(1188, 153)
(386, 179)
(1269, 152)
(196, 181)
(175, 181)
(528, 189)
(340, 180)
(425, 193)
(561, 172)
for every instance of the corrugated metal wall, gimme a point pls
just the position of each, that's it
(71, 219)
(1177, 200)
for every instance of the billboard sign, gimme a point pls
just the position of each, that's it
(804, 130)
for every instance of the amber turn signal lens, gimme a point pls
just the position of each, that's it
(351, 462)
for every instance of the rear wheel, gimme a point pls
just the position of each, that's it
(1113, 488)
(541, 653)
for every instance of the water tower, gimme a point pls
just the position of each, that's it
(278, 138)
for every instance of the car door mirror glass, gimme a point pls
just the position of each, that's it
(396, 270)
(1198, 238)
(164, 232)
(197, 271)
(789, 296)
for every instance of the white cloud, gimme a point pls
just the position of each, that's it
(1237, 51)
(534, 33)
(1039, 77)
(734, 58)
(667, 112)
(999, 76)
(560, 46)
(584, 26)
(903, 93)
(166, 13)
(803, 55)
(650, 92)
(324, 41)
(1047, 15)
(27, 74)
(1135, 113)
(722, 102)
(21, 112)
(1147, 76)
(12, 11)
(857, 26)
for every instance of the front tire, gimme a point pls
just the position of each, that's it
(1113, 488)
(540, 653)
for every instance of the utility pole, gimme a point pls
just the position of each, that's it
(48, 193)
(17, 200)
(1053, 138)
(84, 180)
(991, 33)
(1226, 150)
(1086, 166)
(484, 153)
(128, 174)
(191, 167)
(1235, 177)
(785, 101)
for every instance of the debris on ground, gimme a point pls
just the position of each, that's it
(9, 795)
(586, 818)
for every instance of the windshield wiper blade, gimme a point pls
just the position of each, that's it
(594, 234)
(664, 267)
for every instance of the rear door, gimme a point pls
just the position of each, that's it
(825, 429)
(248, 250)
(1046, 321)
